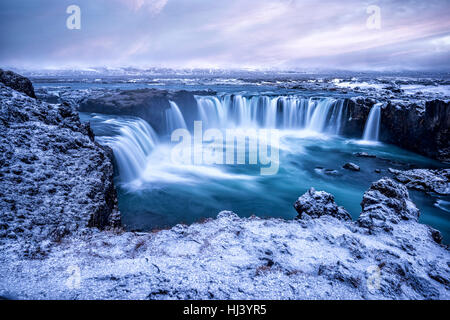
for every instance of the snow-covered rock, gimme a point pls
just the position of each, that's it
(351, 166)
(244, 258)
(315, 204)
(437, 181)
(55, 179)
(385, 204)
(17, 82)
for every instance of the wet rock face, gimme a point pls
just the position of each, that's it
(351, 166)
(315, 204)
(416, 125)
(55, 178)
(356, 113)
(148, 104)
(384, 204)
(422, 130)
(17, 82)
(437, 181)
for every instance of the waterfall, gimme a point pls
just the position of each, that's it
(372, 127)
(212, 111)
(284, 112)
(131, 147)
(136, 139)
(174, 118)
(320, 115)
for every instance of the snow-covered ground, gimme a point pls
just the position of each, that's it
(245, 258)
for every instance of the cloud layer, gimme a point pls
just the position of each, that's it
(227, 34)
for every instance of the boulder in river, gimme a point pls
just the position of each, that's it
(351, 166)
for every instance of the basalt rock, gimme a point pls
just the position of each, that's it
(422, 130)
(319, 203)
(148, 104)
(356, 112)
(385, 204)
(351, 166)
(55, 179)
(437, 181)
(17, 82)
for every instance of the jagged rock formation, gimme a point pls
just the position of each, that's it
(315, 204)
(384, 205)
(418, 125)
(55, 179)
(17, 82)
(437, 181)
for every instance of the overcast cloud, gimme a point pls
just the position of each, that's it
(226, 34)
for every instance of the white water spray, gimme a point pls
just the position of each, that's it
(283, 112)
(372, 128)
(174, 118)
(131, 147)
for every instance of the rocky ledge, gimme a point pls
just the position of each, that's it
(426, 180)
(17, 82)
(385, 254)
(55, 179)
(420, 126)
(148, 104)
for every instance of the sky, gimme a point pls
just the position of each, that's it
(233, 34)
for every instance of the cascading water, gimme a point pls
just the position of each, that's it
(174, 118)
(319, 115)
(212, 111)
(372, 127)
(136, 139)
(131, 147)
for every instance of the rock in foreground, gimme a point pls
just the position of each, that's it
(17, 82)
(55, 179)
(385, 204)
(315, 204)
(245, 258)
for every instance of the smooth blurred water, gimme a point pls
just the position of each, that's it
(169, 193)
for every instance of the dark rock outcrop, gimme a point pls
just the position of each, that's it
(148, 104)
(351, 166)
(416, 125)
(356, 112)
(422, 130)
(17, 82)
(55, 178)
(319, 203)
(384, 204)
